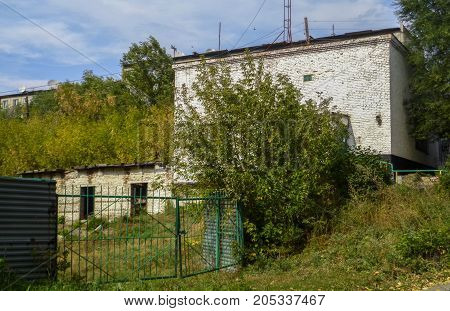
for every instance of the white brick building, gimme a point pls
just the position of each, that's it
(115, 189)
(364, 73)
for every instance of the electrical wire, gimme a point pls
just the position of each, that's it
(32, 88)
(351, 21)
(56, 37)
(262, 37)
(251, 22)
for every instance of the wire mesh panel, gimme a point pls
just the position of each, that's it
(129, 233)
(211, 234)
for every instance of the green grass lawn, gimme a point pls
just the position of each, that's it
(397, 239)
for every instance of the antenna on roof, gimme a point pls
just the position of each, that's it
(287, 34)
(52, 83)
(220, 31)
(174, 50)
(307, 31)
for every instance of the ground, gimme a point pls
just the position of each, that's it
(395, 239)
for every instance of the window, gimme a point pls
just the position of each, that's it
(87, 202)
(15, 102)
(139, 198)
(307, 78)
(5, 104)
(422, 145)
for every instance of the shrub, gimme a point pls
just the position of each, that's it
(427, 243)
(417, 248)
(256, 139)
(369, 172)
(445, 176)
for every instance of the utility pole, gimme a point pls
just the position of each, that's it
(27, 106)
(333, 34)
(287, 34)
(307, 30)
(220, 31)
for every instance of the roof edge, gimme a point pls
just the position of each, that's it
(94, 167)
(283, 45)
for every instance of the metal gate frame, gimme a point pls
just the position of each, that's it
(185, 234)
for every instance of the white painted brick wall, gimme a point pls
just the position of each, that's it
(113, 181)
(403, 145)
(355, 73)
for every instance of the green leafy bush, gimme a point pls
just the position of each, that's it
(417, 248)
(257, 139)
(368, 173)
(445, 176)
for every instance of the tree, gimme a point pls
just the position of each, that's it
(429, 24)
(285, 159)
(95, 121)
(147, 69)
(43, 103)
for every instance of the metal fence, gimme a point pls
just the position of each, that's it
(28, 227)
(108, 235)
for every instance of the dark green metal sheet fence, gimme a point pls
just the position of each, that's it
(109, 235)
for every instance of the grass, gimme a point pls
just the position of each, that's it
(396, 239)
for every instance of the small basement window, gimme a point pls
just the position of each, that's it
(138, 198)
(307, 78)
(87, 202)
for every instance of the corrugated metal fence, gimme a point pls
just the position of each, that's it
(28, 226)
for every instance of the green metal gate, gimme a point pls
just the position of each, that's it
(109, 234)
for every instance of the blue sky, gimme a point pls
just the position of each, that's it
(104, 29)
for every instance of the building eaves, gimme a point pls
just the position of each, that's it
(28, 93)
(95, 167)
(283, 45)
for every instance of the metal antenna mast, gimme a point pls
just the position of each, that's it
(287, 34)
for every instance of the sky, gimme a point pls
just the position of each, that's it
(102, 30)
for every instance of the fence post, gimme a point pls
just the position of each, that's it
(178, 259)
(218, 232)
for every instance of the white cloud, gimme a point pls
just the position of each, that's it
(14, 83)
(117, 23)
(104, 29)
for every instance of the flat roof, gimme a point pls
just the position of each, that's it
(27, 93)
(282, 45)
(94, 167)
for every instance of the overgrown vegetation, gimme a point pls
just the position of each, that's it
(284, 158)
(148, 71)
(398, 239)
(96, 121)
(429, 25)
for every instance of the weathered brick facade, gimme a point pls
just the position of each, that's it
(112, 187)
(365, 75)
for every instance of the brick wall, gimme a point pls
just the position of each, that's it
(112, 183)
(354, 73)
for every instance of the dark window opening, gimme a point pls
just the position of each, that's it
(138, 198)
(422, 145)
(87, 202)
(307, 78)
